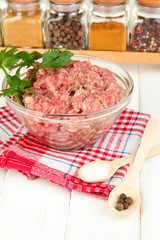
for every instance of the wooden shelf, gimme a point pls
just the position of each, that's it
(126, 57)
(118, 57)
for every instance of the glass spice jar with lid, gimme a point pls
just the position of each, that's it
(22, 24)
(1, 39)
(65, 25)
(108, 25)
(145, 36)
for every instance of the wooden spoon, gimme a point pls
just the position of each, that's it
(129, 186)
(100, 171)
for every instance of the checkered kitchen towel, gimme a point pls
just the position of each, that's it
(21, 151)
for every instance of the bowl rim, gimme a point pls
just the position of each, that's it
(103, 111)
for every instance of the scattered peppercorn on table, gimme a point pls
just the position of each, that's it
(39, 209)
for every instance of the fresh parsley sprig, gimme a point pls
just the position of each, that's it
(14, 59)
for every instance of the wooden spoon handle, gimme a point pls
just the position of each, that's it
(119, 162)
(146, 141)
(154, 150)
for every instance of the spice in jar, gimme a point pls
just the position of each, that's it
(65, 26)
(123, 202)
(146, 28)
(147, 35)
(108, 26)
(22, 24)
(1, 39)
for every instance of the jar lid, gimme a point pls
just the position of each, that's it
(110, 2)
(23, 1)
(65, 1)
(152, 3)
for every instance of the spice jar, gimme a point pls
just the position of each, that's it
(146, 26)
(1, 41)
(108, 25)
(22, 24)
(65, 25)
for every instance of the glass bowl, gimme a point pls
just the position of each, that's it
(77, 131)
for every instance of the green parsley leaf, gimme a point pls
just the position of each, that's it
(8, 92)
(36, 55)
(56, 58)
(16, 83)
(27, 59)
(8, 58)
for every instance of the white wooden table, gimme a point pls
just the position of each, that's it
(41, 210)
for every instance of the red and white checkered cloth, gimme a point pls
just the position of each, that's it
(22, 151)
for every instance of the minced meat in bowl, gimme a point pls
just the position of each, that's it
(74, 106)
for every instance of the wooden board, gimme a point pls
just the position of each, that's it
(118, 57)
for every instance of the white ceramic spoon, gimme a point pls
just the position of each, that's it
(129, 186)
(100, 171)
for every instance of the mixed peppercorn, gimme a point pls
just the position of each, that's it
(146, 35)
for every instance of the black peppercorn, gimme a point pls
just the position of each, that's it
(66, 31)
(122, 196)
(119, 206)
(123, 202)
(128, 200)
(126, 205)
(120, 200)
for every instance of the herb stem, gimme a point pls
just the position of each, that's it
(4, 70)
(18, 100)
(30, 79)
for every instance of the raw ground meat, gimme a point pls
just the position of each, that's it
(78, 88)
